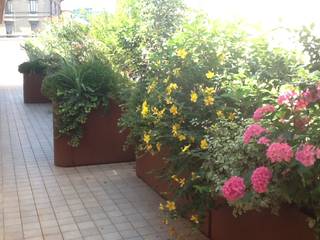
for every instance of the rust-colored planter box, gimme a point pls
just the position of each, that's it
(102, 142)
(148, 168)
(32, 83)
(253, 225)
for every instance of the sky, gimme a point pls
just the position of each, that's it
(266, 12)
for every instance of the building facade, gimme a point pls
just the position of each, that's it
(23, 17)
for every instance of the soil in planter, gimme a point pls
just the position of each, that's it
(102, 143)
(148, 168)
(32, 83)
(289, 225)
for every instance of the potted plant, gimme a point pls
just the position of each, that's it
(278, 172)
(86, 112)
(33, 75)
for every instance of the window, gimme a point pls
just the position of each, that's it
(8, 9)
(33, 4)
(34, 25)
(9, 27)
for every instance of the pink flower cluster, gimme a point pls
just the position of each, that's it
(262, 111)
(306, 155)
(234, 188)
(264, 141)
(279, 152)
(260, 179)
(286, 97)
(253, 130)
(312, 95)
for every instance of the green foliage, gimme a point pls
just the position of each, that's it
(36, 66)
(78, 89)
(311, 45)
(138, 29)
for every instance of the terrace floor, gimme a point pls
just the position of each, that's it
(41, 201)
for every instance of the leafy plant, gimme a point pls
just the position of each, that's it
(78, 89)
(32, 67)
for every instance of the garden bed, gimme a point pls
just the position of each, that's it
(32, 83)
(102, 143)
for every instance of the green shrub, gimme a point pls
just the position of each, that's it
(78, 89)
(32, 67)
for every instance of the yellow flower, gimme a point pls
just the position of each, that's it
(220, 114)
(208, 101)
(158, 145)
(210, 74)
(194, 219)
(171, 206)
(232, 116)
(151, 87)
(146, 138)
(175, 178)
(186, 148)
(182, 137)
(161, 207)
(194, 176)
(222, 58)
(204, 144)
(169, 100)
(149, 147)
(145, 109)
(174, 110)
(175, 129)
(182, 53)
(193, 96)
(171, 88)
(209, 90)
(157, 112)
(177, 72)
(182, 182)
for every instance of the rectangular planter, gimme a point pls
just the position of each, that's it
(222, 225)
(102, 142)
(253, 225)
(148, 168)
(32, 83)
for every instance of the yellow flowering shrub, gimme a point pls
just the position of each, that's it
(200, 78)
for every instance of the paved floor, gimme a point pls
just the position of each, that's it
(41, 201)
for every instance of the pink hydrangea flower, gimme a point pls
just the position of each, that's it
(260, 179)
(262, 111)
(253, 130)
(279, 152)
(264, 141)
(286, 97)
(306, 155)
(300, 104)
(310, 96)
(234, 188)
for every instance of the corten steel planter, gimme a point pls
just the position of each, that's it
(32, 83)
(148, 168)
(102, 142)
(253, 225)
